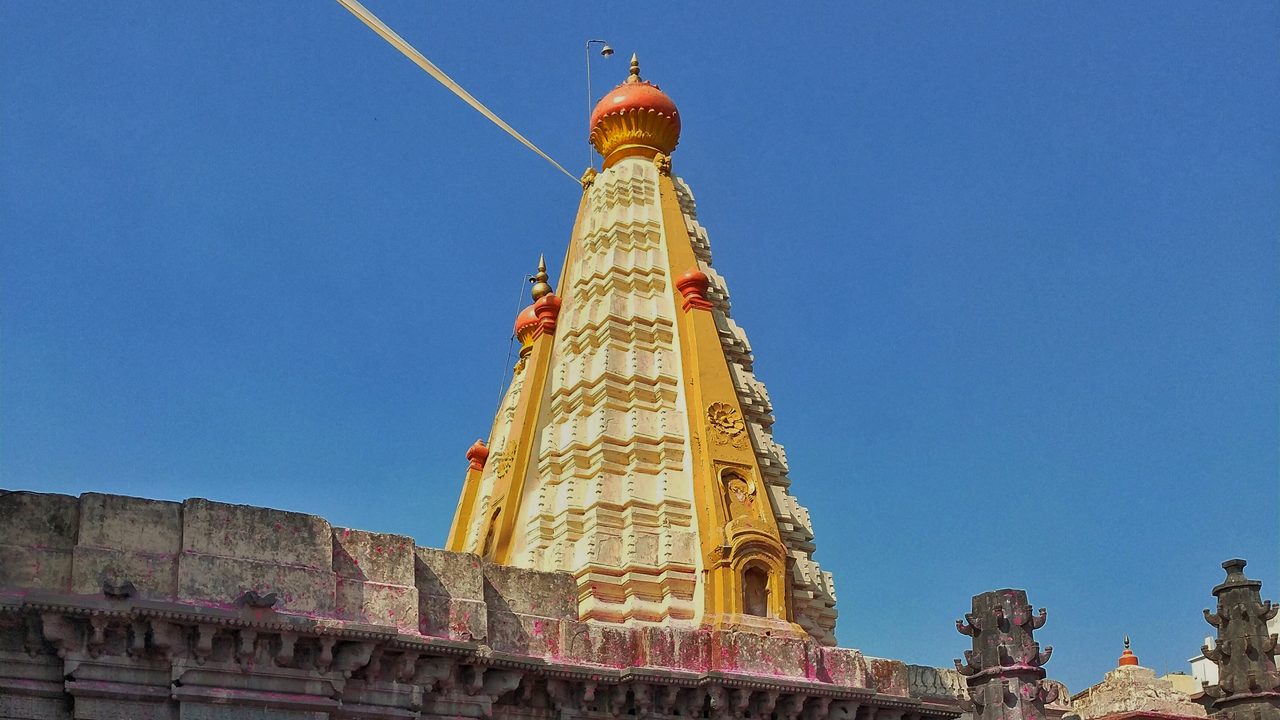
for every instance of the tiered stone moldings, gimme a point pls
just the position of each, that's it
(1248, 683)
(813, 597)
(1004, 670)
(614, 495)
(115, 607)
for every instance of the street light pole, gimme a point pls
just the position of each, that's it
(605, 51)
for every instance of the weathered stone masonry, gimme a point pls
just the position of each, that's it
(117, 607)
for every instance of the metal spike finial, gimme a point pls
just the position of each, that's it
(1126, 642)
(540, 286)
(635, 69)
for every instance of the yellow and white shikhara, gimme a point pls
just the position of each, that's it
(633, 447)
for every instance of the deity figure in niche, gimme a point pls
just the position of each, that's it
(741, 497)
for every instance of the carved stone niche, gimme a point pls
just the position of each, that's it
(741, 495)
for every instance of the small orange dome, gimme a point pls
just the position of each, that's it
(634, 118)
(1127, 657)
(526, 321)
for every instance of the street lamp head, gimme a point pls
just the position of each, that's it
(606, 51)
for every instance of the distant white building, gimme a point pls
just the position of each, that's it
(1205, 671)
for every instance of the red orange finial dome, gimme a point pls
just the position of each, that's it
(528, 321)
(635, 118)
(1127, 657)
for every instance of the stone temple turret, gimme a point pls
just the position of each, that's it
(1004, 669)
(1248, 684)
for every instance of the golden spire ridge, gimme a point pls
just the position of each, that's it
(634, 77)
(540, 286)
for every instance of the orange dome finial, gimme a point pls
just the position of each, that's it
(535, 319)
(477, 454)
(1127, 657)
(635, 118)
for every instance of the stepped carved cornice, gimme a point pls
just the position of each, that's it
(368, 625)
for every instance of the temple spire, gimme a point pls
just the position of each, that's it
(634, 448)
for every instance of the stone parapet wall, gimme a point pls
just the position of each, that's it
(946, 686)
(115, 607)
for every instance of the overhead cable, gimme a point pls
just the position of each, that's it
(399, 43)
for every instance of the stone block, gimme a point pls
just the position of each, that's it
(39, 533)
(219, 581)
(20, 707)
(153, 575)
(448, 574)
(127, 523)
(92, 708)
(842, 666)
(35, 568)
(256, 534)
(228, 711)
(445, 617)
(759, 654)
(375, 578)
(377, 603)
(450, 595)
(41, 520)
(524, 634)
(608, 645)
(374, 557)
(888, 677)
(657, 646)
(675, 648)
(530, 592)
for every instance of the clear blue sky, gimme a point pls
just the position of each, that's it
(1010, 273)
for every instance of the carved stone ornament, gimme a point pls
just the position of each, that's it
(740, 497)
(693, 290)
(588, 178)
(662, 161)
(727, 427)
(477, 455)
(503, 463)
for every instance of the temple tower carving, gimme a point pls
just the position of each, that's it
(1248, 684)
(634, 446)
(1004, 670)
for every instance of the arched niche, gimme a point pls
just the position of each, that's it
(755, 590)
